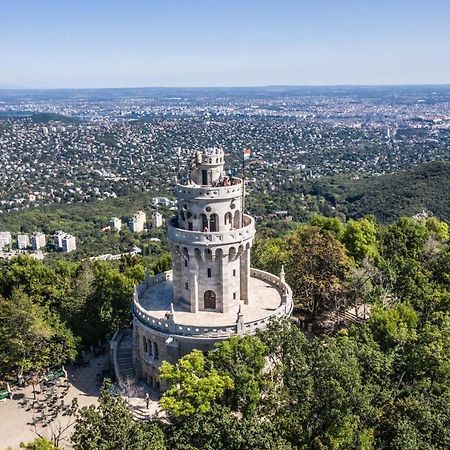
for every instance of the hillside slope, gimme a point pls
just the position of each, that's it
(425, 187)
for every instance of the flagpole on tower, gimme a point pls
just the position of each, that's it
(243, 189)
(245, 155)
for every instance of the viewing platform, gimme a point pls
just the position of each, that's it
(220, 190)
(181, 236)
(153, 307)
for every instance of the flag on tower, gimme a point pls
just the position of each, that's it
(247, 153)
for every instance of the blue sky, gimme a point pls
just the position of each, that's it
(112, 43)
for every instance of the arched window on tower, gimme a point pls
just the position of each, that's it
(144, 342)
(155, 351)
(189, 218)
(205, 226)
(209, 299)
(237, 219)
(228, 218)
(214, 222)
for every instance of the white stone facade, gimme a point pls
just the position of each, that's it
(157, 219)
(23, 241)
(38, 241)
(211, 293)
(115, 224)
(137, 222)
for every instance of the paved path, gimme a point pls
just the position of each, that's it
(22, 417)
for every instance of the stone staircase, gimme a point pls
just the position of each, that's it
(124, 357)
(125, 362)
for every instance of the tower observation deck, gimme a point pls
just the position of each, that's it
(211, 293)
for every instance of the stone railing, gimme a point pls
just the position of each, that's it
(274, 280)
(168, 326)
(152, 280)
(114, 345)
(190, 192)
(214, 238)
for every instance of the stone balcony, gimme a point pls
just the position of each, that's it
(269, 298)
(181, 236)
(198, 192)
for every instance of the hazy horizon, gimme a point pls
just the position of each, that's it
(267, 86)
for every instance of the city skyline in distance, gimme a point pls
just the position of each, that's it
(233, 44)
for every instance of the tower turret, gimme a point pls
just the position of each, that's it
(207, 167)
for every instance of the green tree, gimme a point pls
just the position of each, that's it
(222, 429)
(31, 337)
(405, 238)
(132, 267)
(317, 268)
(334, 389)
(403, 256)
(360, 238)
(270, 254)
(112, 293)
(110, 426)
(243, 359)
(393, 326)
(163, 263)
(437, 227)
(38, 280)
(330, 225)
(39, 444)
(193, 386)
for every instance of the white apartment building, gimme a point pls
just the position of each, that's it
(23, 241)
(38, 241)
(137, 222)
(5, 239)
(57, 239)
(69, 243)
(115, 224)
(157, 219)
(64, 241)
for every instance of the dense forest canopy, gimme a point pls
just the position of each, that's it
(380, 384)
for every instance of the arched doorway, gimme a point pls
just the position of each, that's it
(209, 299)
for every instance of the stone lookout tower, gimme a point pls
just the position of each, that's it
(211, 293)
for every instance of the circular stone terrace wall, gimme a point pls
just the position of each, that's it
(164, 332)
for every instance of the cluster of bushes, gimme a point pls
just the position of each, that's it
(49, 311)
